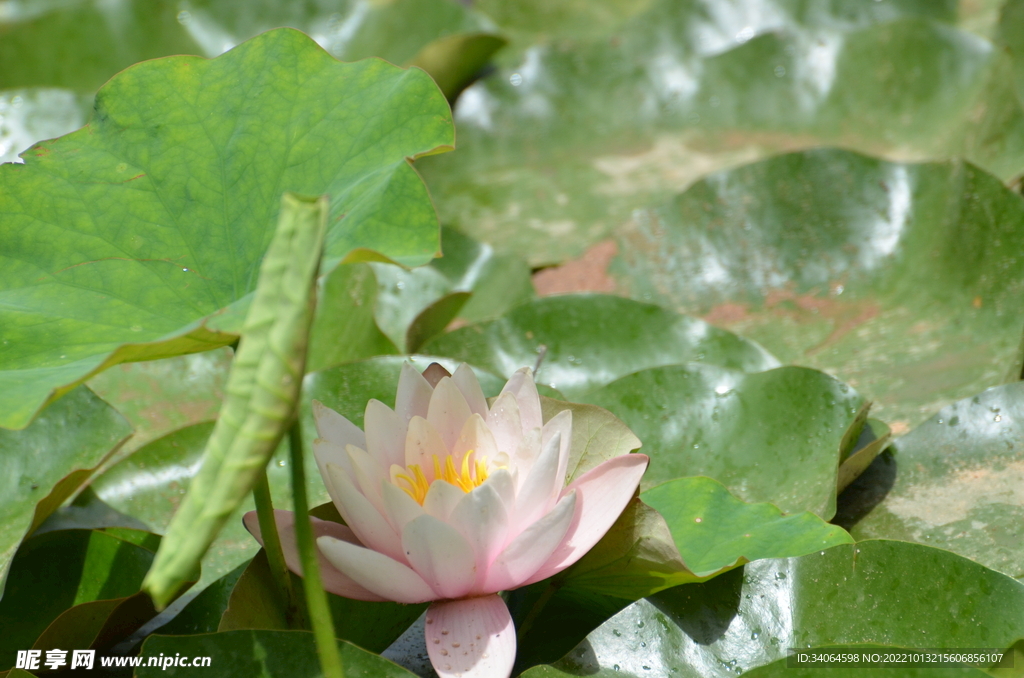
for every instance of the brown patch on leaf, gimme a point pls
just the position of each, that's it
(589, 273)
(727, 314)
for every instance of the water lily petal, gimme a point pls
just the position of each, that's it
(367, 474)
(440, 555)
(334, 580)
(561, 424)
(413, 396)
(540, 489)
(525, 390)
(524, 456)
(503, 483)
(603, 493)
(372, 528)
(442, 498)
(399, 507)
(481, 518)
(474, 437)
(467, 382)
(448, 411)
(385, 434)
(531, 549)
(504, 422)
(325, 452)
(422, 442)
(472, 638)
(333, 427)
(375, 572)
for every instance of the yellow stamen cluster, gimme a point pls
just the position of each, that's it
(415, 484)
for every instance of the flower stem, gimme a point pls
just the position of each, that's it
(316, 599)
(532, 615)
(275, 554)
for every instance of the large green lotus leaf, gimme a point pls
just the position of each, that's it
(271, 654)
(55, 572)
(80, 44)
(202, 614)
(46, 463)
(149, 485)
(955, 482)
(875, 592)
(575, 131)
(163, 205)
(772, 436)
(592, 340)
(906, 279)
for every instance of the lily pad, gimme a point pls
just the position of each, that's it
(57, 573)
(772, 436)
(904, 279)
(608, 107)
(590, 340)
(49, 461)
(688, 530)
(273, 654)
(887, 593)
(958, 483)
(171, 210)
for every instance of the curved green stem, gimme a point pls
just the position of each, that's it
(316, 599)
(275, 554)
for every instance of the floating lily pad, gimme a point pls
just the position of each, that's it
(590, 340)
(875, 592)
(605, 108)
(772, 436)
(49, 461)
(903, 279)
(162, 209)
(55, 574)
(955, 482)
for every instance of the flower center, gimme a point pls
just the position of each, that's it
(415, 484)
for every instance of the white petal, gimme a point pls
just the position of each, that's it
(333, 427)
(448, 411)
(385, 434)
(376, 572)
(602, 494)
(368, 475)
(561, 423)
(524, 456)
(475, 437)
(540, 489)
(326, 452)
(333, 579)
(442, 498)
(466, 380)
(472, 638)
(440, 555)
(504, 422)
(434, 373)
(399, 507)
(504, 484)
(422, 442)
(525, 390)
(413, 395)
(525, 554)
(366, 521)
(481, 518)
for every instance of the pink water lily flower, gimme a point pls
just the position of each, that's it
(451, 501)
